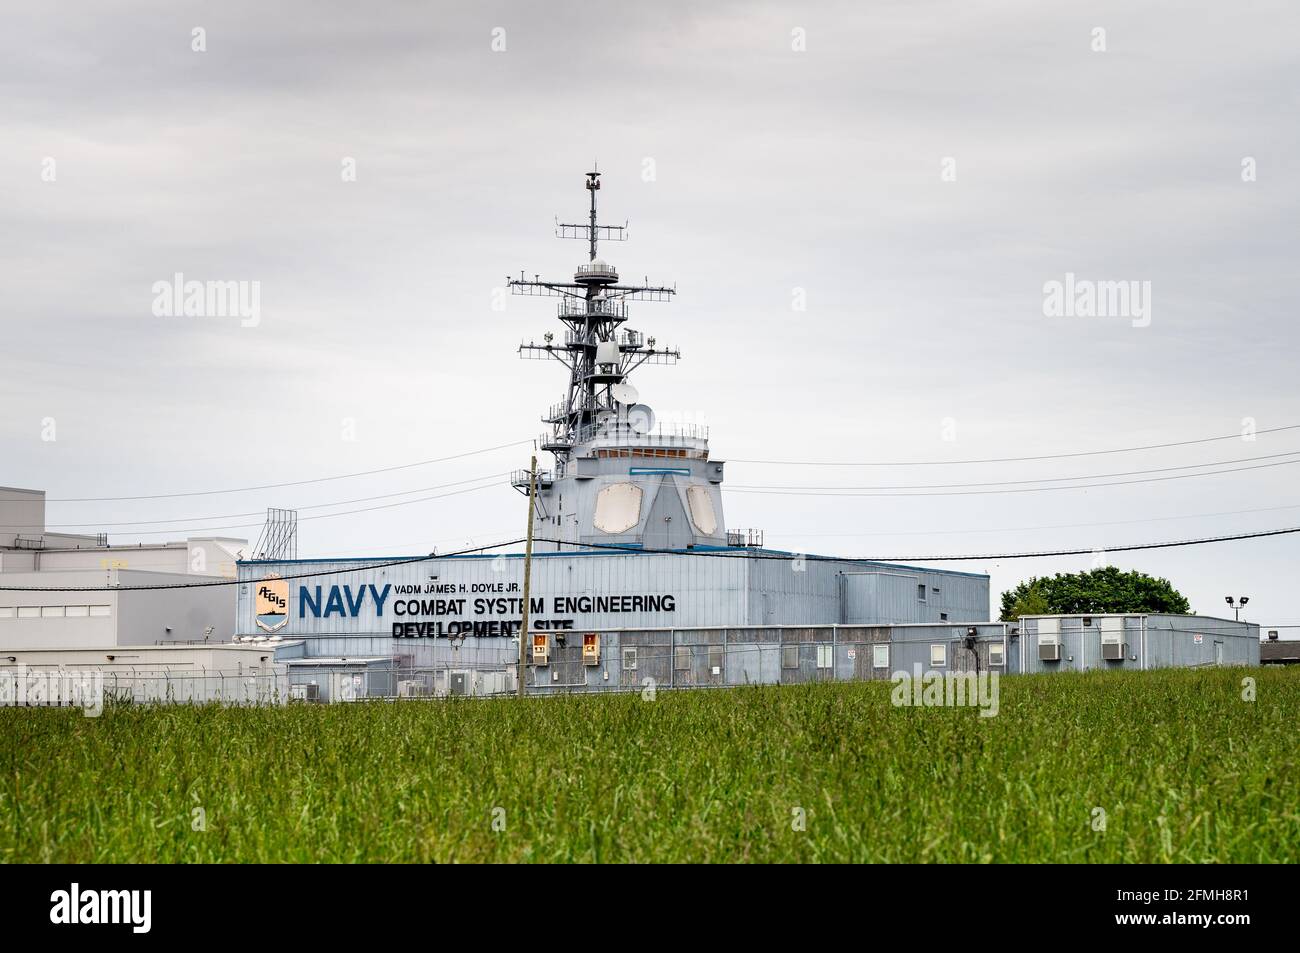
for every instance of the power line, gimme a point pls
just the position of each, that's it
(392, 547)
(1090, 476)
(759, 489)
(313, 506)
(1031, 489)
(752, 489)
(716, 554)
(742, 488)
(974, 557)
(276, 486)
(431, 557)
(1025, 529)
(318, 516)
(1048, 456)
(815, 463)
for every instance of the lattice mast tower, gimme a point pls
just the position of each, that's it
(598, 350)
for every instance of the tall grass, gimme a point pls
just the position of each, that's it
(1184, 769)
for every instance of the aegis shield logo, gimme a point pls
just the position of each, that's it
(271, 608)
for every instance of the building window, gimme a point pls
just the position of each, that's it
(920, 591)
(6, 612)
(825, 656)
(629, 659)
(943, 617)
(78, 612)
(790, 656)
(715, 659)
(935, 590)
(99, 611)
(880, 655)
(51, 612)
(995, 653)
(682, 658)
(29, 612)
(938, 656)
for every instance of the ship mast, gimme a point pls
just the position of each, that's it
(597, 353)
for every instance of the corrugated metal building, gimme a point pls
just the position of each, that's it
(767, 655)
(610, 621)
(480, 595)
(1083, 642)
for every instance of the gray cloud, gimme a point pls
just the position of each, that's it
(775, 170)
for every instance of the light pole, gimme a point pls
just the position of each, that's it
(1238, 605)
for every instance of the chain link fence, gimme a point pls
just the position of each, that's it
(624, 661)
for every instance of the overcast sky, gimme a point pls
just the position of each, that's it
(755, 175)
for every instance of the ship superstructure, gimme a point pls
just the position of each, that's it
(619, 477)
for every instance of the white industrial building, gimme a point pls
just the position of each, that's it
(74, 600)
(27, 546)
(240, 673)
(123, 613)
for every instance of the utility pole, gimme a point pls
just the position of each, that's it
(528, 567)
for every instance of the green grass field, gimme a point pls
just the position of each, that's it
(1185, 770)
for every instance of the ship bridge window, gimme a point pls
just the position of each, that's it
(701, 504)
(618, 508)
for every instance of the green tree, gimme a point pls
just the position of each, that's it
(1029, 601)
(1107, 589)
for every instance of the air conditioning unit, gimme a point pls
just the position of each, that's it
(304, 693)
(1113, 648)
(1049, 640)
(1113, 651)
(591, 648)
(541, 649)
(412, 688)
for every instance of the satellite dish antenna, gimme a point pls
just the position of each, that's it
(624, 393)
(640, 418)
